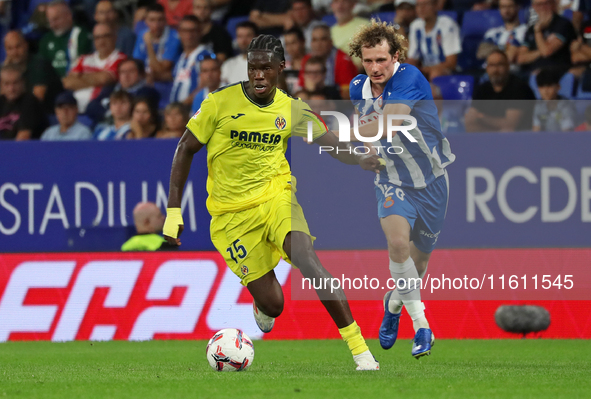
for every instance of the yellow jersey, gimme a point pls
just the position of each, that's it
(246, 144)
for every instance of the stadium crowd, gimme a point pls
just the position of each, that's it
(121, 69)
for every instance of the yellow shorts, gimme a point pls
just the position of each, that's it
(251, 241)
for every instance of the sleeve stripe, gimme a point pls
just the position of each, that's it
(318, 118)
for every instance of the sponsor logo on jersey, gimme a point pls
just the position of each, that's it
(255, 137)
(280, 122)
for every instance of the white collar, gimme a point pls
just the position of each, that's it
(366, 93)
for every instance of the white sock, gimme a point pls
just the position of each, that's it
(408, 290)
(421, 275)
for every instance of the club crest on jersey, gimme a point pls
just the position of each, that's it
(280, 122)
(244, 270)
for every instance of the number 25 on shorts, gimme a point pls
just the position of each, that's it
(237, 251)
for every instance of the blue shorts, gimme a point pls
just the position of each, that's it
(423, 208)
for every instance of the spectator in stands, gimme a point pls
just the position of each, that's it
(406, 12)
(547, 43)
(586, 125)
(40, 77)
(552, 113)
(295, 51)
(213, 35)
(186, 71)
(314, 79)
(270, 15)
(105, 13)
(301, 16)
(176, 116)
(21, 114)
(235, 68)
(92, 72)
(65, 42)
(144, 120)
(346, 26)
(175, 10)
(68, 128)
(508, 37)
(509, 112)
(120, 109)
(132, 79)
(210, 79)
(340, 70)
(158, 46)
(434, 41)
(149, 221)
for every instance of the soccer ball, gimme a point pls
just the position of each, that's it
(230, 349)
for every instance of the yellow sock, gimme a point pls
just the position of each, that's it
(352, 336)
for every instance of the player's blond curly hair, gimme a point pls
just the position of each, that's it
(373, 34)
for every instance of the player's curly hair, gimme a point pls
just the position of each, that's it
(373, 34)
(267, 43)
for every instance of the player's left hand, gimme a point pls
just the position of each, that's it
(372, 162)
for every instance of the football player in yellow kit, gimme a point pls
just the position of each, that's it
(256, 219)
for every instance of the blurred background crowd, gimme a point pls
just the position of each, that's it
(134, 69)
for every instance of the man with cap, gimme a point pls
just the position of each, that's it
(68, 127)
(405, 13)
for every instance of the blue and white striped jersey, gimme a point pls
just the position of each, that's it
(502, 37)
(420, 163)
(186, 72)
(432, 48)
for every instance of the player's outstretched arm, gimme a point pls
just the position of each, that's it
(345, 153)
(181, 165)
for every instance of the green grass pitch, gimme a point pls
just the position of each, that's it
(530, 368)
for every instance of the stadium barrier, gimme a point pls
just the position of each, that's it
(190, 295)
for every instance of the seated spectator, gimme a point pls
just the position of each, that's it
(68, 127)
(213, 35)
(158, 46)
(500, 115)
(406, 12)
(132, 79)
(340, 70)
(270, 16)
(235, 69)
(149, 221)
(508, 37)
(105, 13)
(434, 41)
(547, 43)
(210, 78)
(314, 79)
(144, 120)
(295, 51)
(586, 125)
(21, 114)
(176, 116)
(92, 72)
(552, 113)
(120, 108)
(65, 42)
(175, 10)
(301, 16)
(346, 26)
(40, 78)
(186, 71)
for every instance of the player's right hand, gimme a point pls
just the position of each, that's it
(173, 226)
(372, 162)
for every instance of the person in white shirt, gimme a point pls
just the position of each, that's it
(236, 68)
(93, 71)
(434, 41)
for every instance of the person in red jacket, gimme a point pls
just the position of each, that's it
(340, 70)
